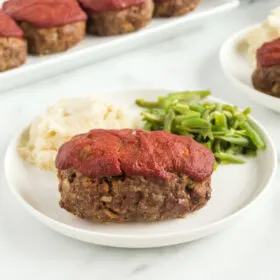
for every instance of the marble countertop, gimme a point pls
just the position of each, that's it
(248, 250)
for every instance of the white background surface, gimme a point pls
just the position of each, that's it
(249, 250)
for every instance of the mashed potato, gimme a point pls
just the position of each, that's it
(268, 31)
(40, 141)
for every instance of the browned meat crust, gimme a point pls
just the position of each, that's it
(267, 80)
(52, 40)
(172, 8)
(120, 22)
(12, 53)
(131, 199)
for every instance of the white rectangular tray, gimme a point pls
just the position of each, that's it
(95, 48)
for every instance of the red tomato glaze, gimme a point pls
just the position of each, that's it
(45, 13)
(157, 154)
(100, 6)
(269, 54)
(8, 28)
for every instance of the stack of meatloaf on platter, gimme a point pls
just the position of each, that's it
(51, 26)
(110, 17)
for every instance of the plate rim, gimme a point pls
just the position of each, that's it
(213, 226)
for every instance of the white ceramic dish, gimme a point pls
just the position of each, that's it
(239, 71)
(94, 48)
(235, 189)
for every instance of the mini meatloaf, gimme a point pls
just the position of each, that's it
(49, 26)
(12, 45)
(133, 175)
(109, 17)
(173, 8)
(266, 78)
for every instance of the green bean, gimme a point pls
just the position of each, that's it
(189, 95)
(250, 152)
(209, 106)
(217, 146)
(235, 124)
(197, 107)
(228, 158)
(228, 107)
(247, 111)
(196, 123)
(146, 104)
(219, 133)
(215, 165)
(238, 133)
(208, 144)
(185, 96)
(157, 126)
(207, 133)
(220, 119)
(169, 120)
(196, 131)
(158, 112)
(235, 150)
(152, 117)
(148, 126)
(219, 107)
(161, 100)
(199, 138)
(206, 115)
(240, 117)
(187, 134)
(188, 115)
(219, 128)
(253, 135)
(206, 104)
(241, 141)
(235, 109)
(228, 114)
(181, 108)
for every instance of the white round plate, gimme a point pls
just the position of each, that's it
(235, 189)
(239, 71)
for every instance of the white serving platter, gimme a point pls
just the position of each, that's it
(95, 48)
(236, 189)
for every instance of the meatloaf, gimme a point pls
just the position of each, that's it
(133, 175)
(172, 8)
(49, 26)
(266, 77)
(12, 45)
(108, 17)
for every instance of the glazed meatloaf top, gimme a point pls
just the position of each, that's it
(269, 54)
(97, 6)
(157, 154)
(45, 13)
(8, 28)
